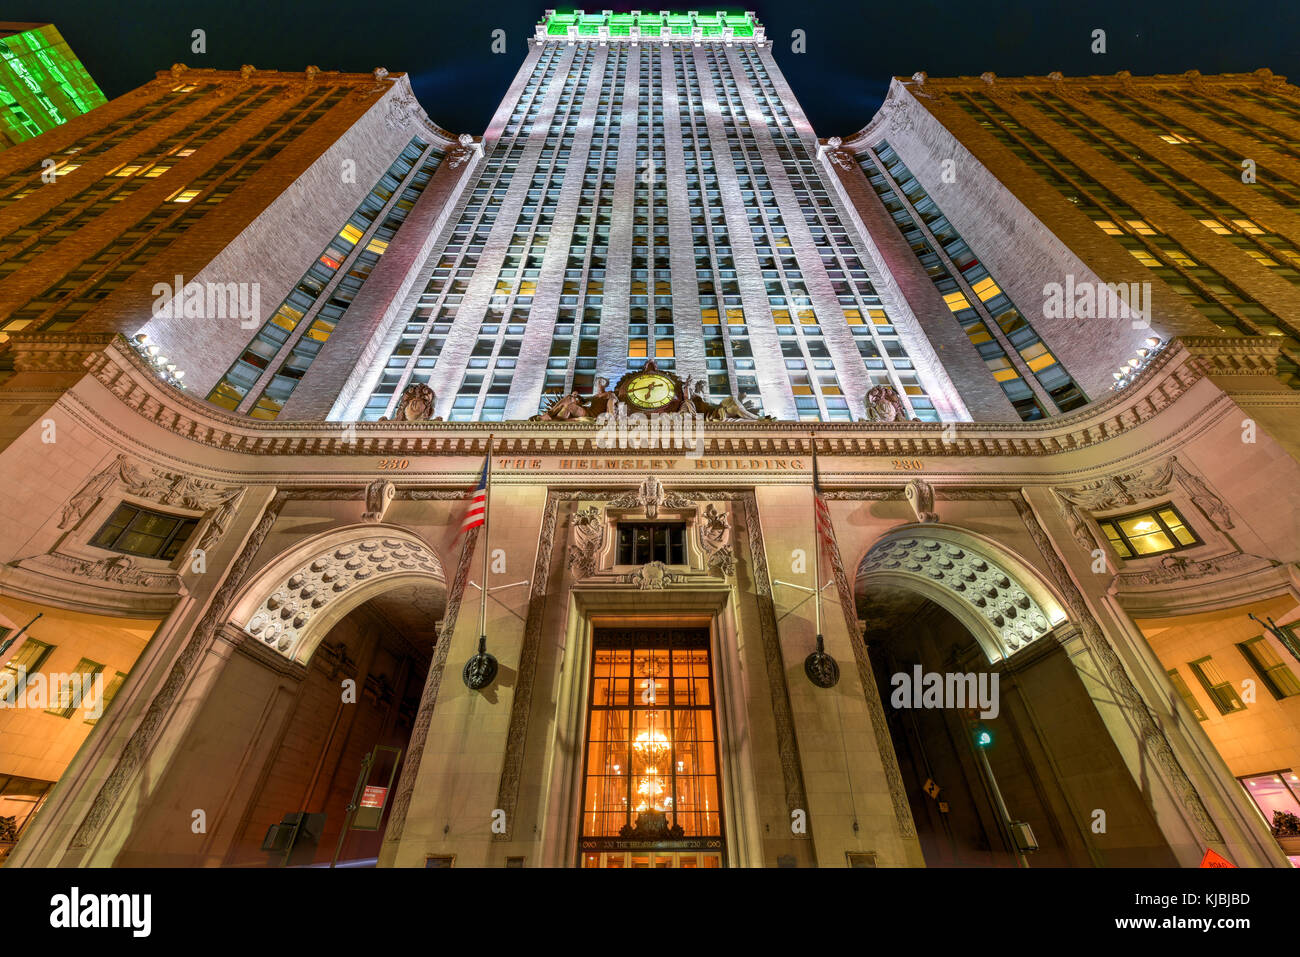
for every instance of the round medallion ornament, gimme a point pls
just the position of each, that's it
(481, 668)
(821, 669)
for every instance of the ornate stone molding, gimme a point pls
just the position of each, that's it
(379, 495)
(1175, 568)
(285, 614)
(920, 495)
(652, 576)
(651, 496)
(715, 540)
(589, 527)
(974, 579)
(1133, 488)
(117, 570)
(1172, 372)
(165, 488)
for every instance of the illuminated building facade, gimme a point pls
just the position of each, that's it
(42, 83)
(245, 454)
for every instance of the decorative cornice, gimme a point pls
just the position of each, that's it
(1170, 373)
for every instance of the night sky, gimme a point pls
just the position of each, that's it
(852, 48)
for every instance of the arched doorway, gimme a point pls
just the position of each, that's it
(989, 719)
(330, 645)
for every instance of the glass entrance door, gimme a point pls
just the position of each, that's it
(617, 859)
(650, 785)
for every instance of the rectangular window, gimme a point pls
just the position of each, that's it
(75, 690)
(1152, 532)
(641, 542)
(1216, 685)
(651, 757)
(140, 531)
(1277, 795)
(26, 661)
(1185, 693)
(1272, 670)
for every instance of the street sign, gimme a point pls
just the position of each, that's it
(931, 788)
(1211, 859)
(943, 807)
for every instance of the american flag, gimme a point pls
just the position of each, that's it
(825, 532)
(476, 514)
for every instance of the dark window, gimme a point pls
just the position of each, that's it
(1185, 693)
(1216, 685)
(75, 691)
(1150, 532)
(26, 661)
(139, 531)
(641, 542)
(1270, 667)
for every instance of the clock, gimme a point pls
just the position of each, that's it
(650, 391)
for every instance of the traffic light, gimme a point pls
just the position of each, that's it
(983, 736)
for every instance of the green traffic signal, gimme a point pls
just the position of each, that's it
(983, 737)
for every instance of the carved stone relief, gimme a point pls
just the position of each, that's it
(589, 539)
(282, 618)
(652, 496)
(974, 579)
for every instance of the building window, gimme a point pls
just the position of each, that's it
(1185, 693)
(1152, 532)
(75, 690)
(1216, 686)
(1277, 795)
(641, 542)
(27, 660)
(149, 534)
(1272, 670)
(652, 766)
(20, 798)
(110, 692)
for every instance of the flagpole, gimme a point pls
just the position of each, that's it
(487, 502)
(817, 541)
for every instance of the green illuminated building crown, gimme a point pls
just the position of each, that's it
(664, 25)
(42, 83)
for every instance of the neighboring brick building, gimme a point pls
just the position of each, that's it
(649, 223)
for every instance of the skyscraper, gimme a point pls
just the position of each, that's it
(253, 394)
(42, 83)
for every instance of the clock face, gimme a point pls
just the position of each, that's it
(650, 390)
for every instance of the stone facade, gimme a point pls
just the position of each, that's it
(324, 599)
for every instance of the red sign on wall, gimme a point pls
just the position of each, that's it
(373, 796)
(1211, 859)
